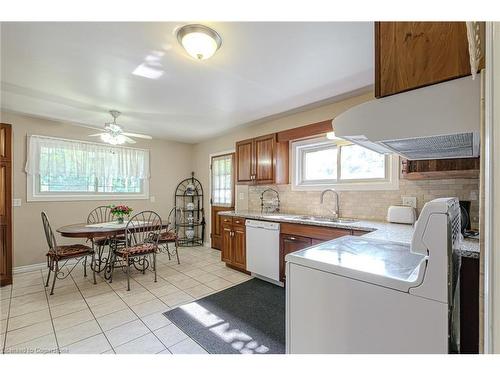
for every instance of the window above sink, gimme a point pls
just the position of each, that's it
(322, 163)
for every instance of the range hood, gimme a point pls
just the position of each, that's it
(435, 122)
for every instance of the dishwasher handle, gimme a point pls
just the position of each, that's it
(268, 225)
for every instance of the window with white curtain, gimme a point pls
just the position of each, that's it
(64, 169)
(222, 180)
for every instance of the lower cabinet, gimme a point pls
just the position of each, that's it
(234, 243)
(290, 243)
(295, 237)
(469, 306)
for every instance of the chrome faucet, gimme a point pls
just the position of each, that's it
(336, 212)
(276, 208)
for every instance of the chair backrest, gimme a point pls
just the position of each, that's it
(101, 214)
(49, 234)
(144, 227)
(173, 218)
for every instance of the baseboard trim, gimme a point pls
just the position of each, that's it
(35, 267)
(29, 268)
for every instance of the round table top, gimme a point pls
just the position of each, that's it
(82, 230)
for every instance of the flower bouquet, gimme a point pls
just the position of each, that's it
(120, 211)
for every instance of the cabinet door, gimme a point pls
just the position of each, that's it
(239, 247)
(264, 159)
(409, 55)
(469, 306)
(245, 161)
(227, 243)
(289, 244)
(5, 205)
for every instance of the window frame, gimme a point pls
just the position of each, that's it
(34, 193)
(300, 147)
(232, 156)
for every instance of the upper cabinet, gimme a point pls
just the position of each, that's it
(262, 160)
(409, 55)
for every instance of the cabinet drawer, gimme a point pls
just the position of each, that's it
(238, 221)
(313, 231)
(226, 219)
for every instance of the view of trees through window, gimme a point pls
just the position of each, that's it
(328, 161)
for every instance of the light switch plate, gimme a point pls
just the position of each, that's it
(409, 201)
(16, 202)
(152, 199)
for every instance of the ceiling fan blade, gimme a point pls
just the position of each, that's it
(128, 140)
(143, 136)
(97, 134)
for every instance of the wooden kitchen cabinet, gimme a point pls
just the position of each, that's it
(262, 160)
(440, 168)
(409, 55)
(469, 306)
(289, 244)
(295, 237)
(234, 243)
(244, 161)
(5, 204)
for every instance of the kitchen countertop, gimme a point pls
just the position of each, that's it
(380, 230)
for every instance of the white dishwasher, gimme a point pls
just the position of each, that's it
(263, 249)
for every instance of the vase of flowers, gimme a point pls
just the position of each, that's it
(120, 212)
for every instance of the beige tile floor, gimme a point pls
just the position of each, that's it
(85, 318)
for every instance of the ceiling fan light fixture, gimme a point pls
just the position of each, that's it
(113, 139)
(199, 41)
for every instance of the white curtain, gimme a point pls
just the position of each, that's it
(64, 157)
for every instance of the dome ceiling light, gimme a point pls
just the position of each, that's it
(199, 41)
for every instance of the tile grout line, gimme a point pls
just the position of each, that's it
(50, 311)
(102, 331)
(130, 306)
(7, 319)
(139, 318)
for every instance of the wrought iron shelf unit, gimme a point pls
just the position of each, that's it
(190, 214)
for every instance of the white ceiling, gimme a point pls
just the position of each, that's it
(78, 71)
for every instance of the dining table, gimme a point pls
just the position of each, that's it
(105, 238)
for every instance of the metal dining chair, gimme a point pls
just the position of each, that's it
(103, 214)
(141, 240)
(64, 253)
(169, 236)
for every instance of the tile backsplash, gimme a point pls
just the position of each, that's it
(372, 204)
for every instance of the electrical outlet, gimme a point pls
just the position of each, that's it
(409, 201)
(16, 202)
(152, 199)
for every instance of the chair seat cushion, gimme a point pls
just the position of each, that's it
(145, 248)
(70, 251)
(167, 236)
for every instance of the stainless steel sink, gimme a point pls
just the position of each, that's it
(326, 219)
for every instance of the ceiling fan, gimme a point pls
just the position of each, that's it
(114, 134)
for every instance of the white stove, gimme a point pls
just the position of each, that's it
(360, 295)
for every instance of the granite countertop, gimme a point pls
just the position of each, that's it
(401, 233)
